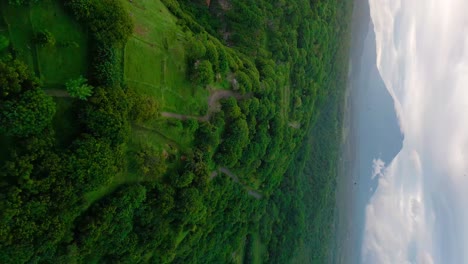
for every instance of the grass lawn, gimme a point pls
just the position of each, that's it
(20, 31)
(154, 65)
(254, 250)
(162, 135)
(165, 136)
(258, 249)
(155, 59)
(118, 180)
(64, 122)
(237, 256)
(53, 64)
(61, 62)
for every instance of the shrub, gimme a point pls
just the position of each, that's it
(105, 66)
(143, 108)
(104, 115)
(107, 20)
(15, 78)
(92, 163)
(212, 55)
(4, 42)
(195, 50)
(79, 88)
(150, 162)
(203, 73)
(44, 38)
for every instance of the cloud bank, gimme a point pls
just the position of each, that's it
(417, 214)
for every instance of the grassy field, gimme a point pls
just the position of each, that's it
(53, 64)
(254, 251)
(20, 31)
(59, 63)
(155, 59)
(64, 121)
(258, 249)
(238, 255)
(118, 180)
(155, 65)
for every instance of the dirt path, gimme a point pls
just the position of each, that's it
(229, 174)
(213, 105)
(152, 130)
(234, 177)
(294, 124)
(181, 117)
(57, 93)
(225, 5)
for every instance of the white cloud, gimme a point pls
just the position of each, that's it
(396, 215)
(417, 214)
(377, 166)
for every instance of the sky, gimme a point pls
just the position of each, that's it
(417, 213)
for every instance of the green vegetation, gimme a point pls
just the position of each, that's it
(54, 64)
(79, 88)
(155, 60)
(168, 131)
(4, 42)
(44, 38)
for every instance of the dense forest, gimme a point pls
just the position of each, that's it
(219, 146)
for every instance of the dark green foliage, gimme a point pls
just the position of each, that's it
(190, 205)
(44, 38)
(142, 108)
(14, 78)
(107, 20)
(195, 50)
(212, 55)
(79, 88)
(206, 137)
(4, 42)
(151, 163)
(71, 205)
(92, 163)
(25, 109)
(105, 115)
(106, 229)
(23, 2)
(223, 64)
(27, 115)
(182, 180)
(191, 125)
(235, 137)
(244, 83)
(105, 66)
(203, 73)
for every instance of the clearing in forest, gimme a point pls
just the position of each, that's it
(155, 63)
(54, 64)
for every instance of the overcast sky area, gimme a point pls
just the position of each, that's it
(417, 213)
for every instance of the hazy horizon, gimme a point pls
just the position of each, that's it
(414, 209)
(374, 137)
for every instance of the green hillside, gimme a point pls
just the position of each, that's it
(165, 131)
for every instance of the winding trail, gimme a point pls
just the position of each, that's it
(152, 130)
(234, 177)
(213, 105)
(294, 124)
